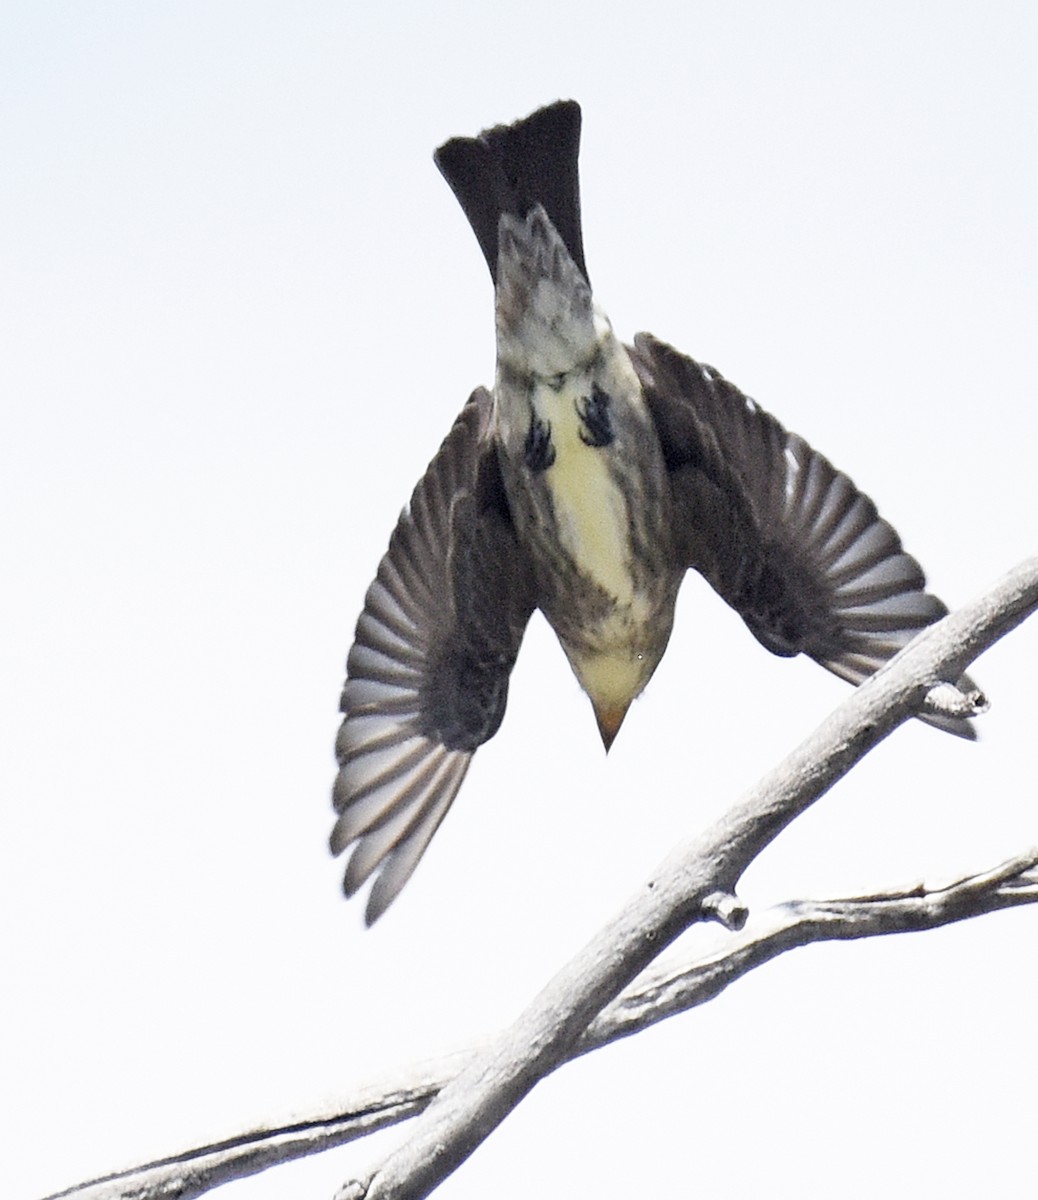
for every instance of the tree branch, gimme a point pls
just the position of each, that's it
(577, 1012)
(474, 1103)
(665, 991)
(661, 993)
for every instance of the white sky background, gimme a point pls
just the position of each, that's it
(240, 310)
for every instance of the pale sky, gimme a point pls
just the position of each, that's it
(240, 311)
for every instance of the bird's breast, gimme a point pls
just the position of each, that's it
(588, 492)
(585, 491)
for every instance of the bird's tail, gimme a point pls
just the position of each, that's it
(512, 168)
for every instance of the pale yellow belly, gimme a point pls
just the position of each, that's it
(590, 511)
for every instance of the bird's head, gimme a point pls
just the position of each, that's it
(612, 678)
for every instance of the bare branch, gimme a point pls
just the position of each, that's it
(484, 1093)
(662, 992)
(697, 882)
(195, 1172)
(573, 1014)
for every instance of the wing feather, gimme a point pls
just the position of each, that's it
(427, 676)
(782, 535)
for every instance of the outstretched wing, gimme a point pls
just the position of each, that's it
(782, 535)
(427, 677)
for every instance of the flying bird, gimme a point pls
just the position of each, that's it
(586, 484)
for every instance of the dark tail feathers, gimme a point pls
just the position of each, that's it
(512, 168)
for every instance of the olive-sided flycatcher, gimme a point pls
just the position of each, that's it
(586, 485)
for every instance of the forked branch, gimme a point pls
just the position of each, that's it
(659, 993)
(499, 1076)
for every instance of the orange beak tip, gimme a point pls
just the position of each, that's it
(609, 722)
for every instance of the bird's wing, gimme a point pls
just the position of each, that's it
(427, 677)
(782, 535)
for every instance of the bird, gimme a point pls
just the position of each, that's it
(586, 484)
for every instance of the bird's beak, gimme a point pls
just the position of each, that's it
(609, 722)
